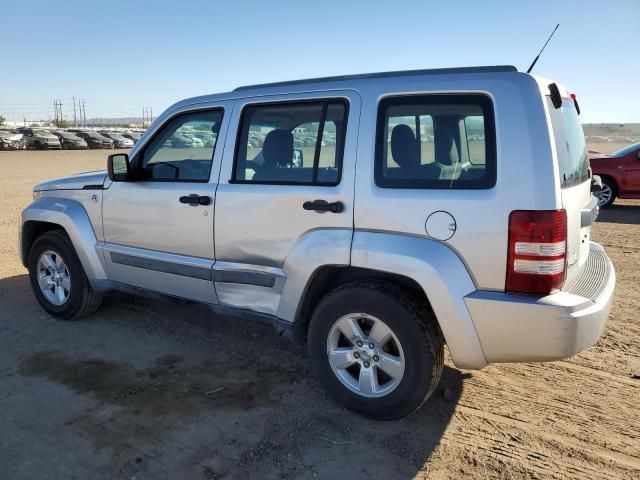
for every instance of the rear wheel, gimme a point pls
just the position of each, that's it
(607, 193)
(58, 279)
(376, 349)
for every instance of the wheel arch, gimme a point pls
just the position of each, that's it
(611, 179)
(47, 214)
(428, 269)
(31, 230)
(329, 277)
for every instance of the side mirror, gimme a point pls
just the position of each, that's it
(638, 156)
(118, 167)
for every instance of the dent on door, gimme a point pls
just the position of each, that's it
(271, 237)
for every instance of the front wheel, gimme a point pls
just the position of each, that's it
(377, 350)
(58, 279)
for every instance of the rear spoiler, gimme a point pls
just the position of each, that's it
(556, 97)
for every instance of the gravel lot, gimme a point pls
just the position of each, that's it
(157, 388)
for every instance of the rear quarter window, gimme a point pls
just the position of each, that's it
(436, 141)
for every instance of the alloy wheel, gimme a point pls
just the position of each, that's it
(604, 195)
(365, 355)
(53, 278)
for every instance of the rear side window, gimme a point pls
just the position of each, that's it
(573, 159)
(436, 141)
(291, 143)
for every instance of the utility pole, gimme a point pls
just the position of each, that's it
(57, 110)
(75, 120)
(83, 113)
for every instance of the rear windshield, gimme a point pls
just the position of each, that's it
(573, 160)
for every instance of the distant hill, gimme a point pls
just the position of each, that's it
(114, 121)
(612, 132)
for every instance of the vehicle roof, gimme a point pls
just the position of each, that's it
(325, 83)
(372, 76)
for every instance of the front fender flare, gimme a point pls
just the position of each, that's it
(441, 274)
(71, 216)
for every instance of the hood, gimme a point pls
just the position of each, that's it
(11, 136)
(595, 155)
(74, 182)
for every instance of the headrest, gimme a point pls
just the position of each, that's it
(446, 148)
(277, 148)
(404, 146)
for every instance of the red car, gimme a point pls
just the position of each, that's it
(620, 173)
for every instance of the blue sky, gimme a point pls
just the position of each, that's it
(121, 55)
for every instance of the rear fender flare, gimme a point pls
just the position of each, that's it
(440, 273)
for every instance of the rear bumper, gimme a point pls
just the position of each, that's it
(525, 328)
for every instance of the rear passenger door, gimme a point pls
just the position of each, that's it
(285, 196)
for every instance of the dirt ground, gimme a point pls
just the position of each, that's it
(156, 388)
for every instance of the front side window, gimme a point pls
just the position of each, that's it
(293, 143)
(183, 149)
(436, 141)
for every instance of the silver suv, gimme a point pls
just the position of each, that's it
(375, 217)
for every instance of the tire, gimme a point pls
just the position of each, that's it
(415, 340)
(608, 194)
(80, 299)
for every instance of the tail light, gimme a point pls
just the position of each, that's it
(537, 251)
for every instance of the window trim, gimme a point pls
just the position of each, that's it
(138, 161)
(324, 103)
(481, 99)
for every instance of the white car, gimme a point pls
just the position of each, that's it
(119, 141)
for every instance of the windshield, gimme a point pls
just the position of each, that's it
(626, 150)
(573, 159)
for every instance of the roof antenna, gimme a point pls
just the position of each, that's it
(542, 49)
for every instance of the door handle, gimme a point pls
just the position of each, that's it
(194, 199)
(323, 206)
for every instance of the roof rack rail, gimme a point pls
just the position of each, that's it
(400, 73)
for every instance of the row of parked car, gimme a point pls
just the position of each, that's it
(67, 139)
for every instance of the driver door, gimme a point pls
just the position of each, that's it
(158, 229)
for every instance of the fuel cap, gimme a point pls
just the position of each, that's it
(440, 225)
